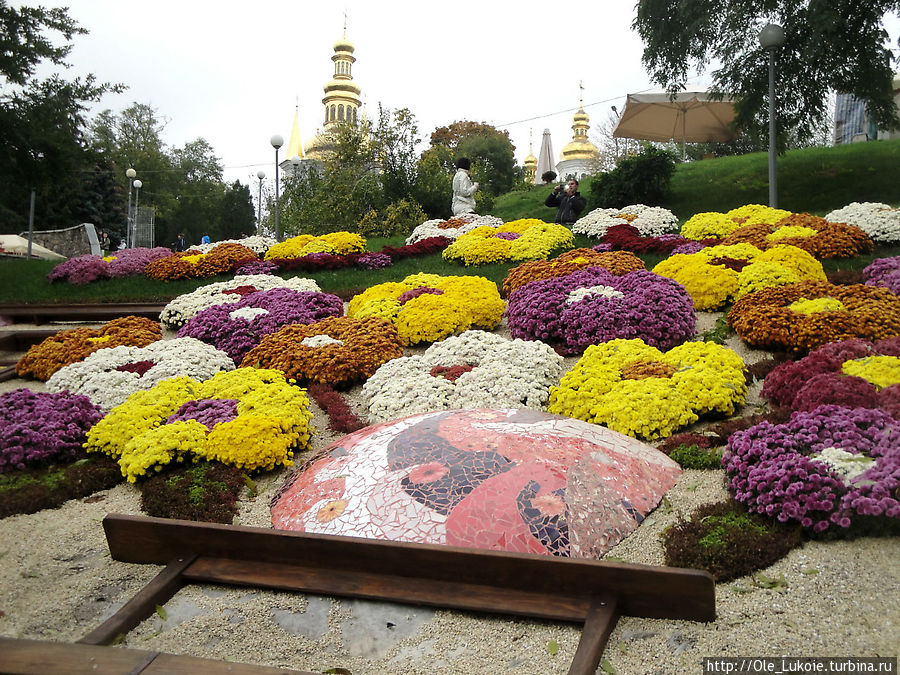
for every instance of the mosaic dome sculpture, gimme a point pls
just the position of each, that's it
(511, 480)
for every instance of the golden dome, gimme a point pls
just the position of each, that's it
(530, 161)
(348, 86)
(579, 147)
(344, 45)
(319, 147)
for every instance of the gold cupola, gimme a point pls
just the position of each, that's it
(530, 162)
(579, 147)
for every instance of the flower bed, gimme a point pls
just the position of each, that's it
(806, 315)
(822, 468)
(851, 373)
(472, 370)
(638, 390)
(236, 328)
(338, 350)
(592, 306)
(715, 225)
(194, 265)
(109, 376)
(452, 228)
(884, 272)
(649, 221)
(70, 346)
(87, 268)
(37, 427)
(181, 309)
(256, 267)
(429, 307)
(253, 419)
(815, 235)
(629, 238)
(617, 263)
(338, 243)
(524, 239)
(717, 275)
(879, 221)
(257, 243)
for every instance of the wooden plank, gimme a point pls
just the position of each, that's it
(641, 590)
(162, 587)
(389, 588)
(81, 312)
(598, 626)
(37, 657)
(19, 340)
(8, 373)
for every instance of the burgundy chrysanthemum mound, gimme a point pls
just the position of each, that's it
(629, 238)
(39, 427)
(256, 267)
(82, 269)
(822, 468)
(817, 379)
(884, 272)
(593, 306)
(236, 328)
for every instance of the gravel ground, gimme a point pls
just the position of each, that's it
(57, 582)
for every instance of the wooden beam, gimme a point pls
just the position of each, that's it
(81, 312)
(162, 587)
(599, 625)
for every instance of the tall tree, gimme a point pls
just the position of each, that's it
(396, 136)
(829, 44)
(491, 152)
(237, 216)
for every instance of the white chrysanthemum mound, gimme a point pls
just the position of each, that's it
(651, 221)
(430, 228)
(258, 244)
(879, 221)
(102, 378)
(184, 307)
(505, 374)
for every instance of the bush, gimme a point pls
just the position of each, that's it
(398, 218)
(696, 457)
(548, 176)
(641, 179)
(205, 491)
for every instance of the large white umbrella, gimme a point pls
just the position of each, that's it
(14, 245)
(689, 117)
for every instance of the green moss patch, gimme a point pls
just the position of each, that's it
(696, 457)
(33, 490)
(206, 491)
(728, 542)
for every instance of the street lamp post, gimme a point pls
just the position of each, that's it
(137, 189)
(771, 37)
(615, 138)
(130, 173)
(259, 174)
(276, 141)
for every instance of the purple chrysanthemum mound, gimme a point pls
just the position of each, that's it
(798, 385)
(207, 411)
(37, 427)
(592, 306)
(237, 328)
(257, 267)
(688, 247)
(374, 261)
(509, 236)
(602, 248)
(132, 261)
(80, 270)
(884, 272)
(789, 471)
(406, 296)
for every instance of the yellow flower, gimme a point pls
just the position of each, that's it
(807, 307)
(882, 371)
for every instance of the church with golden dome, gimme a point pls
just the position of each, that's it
(579, 156)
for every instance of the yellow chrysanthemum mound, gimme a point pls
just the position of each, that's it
(340, 243)
(430, 307)
(717, 275)
(882, 371)
(712, 224)
(271, 419)
(524, 239)
(638, 390)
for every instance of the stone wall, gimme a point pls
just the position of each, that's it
(70, 242)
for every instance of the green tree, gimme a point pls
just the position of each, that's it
(434, 187)
(396, 136)
(491, 152)
(237, 216)
(833, 44)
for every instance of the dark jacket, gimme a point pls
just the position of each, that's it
(569, 206)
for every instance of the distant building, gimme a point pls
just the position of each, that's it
(852, 124)
(579, 156)
(530, 163)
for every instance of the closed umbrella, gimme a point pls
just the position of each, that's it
(691, 117)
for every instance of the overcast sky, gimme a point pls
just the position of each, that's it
(232, 73)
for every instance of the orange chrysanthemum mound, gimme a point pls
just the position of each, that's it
(195, 265)
(339, 350)
(829, 240)
(809, 314)
(615, 262)
(71, 346)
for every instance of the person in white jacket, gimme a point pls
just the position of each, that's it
(463, 189)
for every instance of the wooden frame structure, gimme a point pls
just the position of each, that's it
(562, 589)
(83, 312)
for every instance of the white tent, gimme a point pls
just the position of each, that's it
(14, 245)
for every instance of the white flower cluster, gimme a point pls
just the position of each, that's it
(430, 227)
(247, 313)
(580, 294)
(184, 307)
(846, 464)
(505, 374)
(879, 221)
(320, 341)
(258, 244)
(97, 376)
(651, 221)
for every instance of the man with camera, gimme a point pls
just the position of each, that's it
(568, 201)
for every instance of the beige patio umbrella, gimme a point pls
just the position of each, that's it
(14, 245)
(689, 117)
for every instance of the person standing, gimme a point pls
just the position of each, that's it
(180, 243)
(463, 189)
(568, 201)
